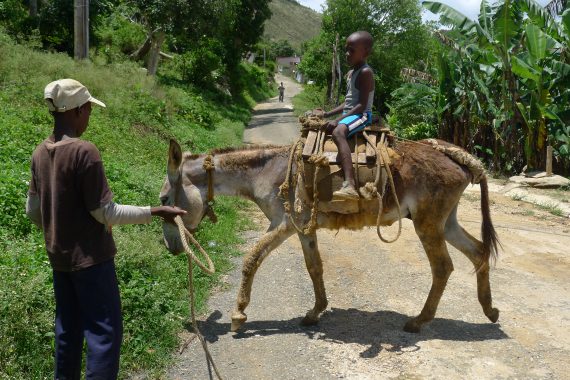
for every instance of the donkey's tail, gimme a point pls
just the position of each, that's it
(490, 240)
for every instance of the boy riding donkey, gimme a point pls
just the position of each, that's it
(356, 109)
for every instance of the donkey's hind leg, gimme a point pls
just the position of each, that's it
(433, 241)
(315, 268)
(473, 249)
(268, 242)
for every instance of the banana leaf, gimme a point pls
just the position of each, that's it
(524, 70)
(505, 25)
(536, 41)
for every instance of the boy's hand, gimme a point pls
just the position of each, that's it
(318, 112)
(330, 126)
(168, 213)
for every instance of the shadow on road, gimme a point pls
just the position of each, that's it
(379, 330)
(272, 111)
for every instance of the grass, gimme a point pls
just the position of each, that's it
(310, 98)
(132, 135)
(551, 208)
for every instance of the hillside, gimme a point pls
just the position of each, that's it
(293, 22)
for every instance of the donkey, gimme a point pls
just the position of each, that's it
(428, 184)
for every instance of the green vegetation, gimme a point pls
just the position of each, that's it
(551, 208)
(503, 83)
(310, 98)
(132, 134)
(207, 38)
(292, 22)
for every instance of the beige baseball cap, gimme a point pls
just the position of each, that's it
(66, 94)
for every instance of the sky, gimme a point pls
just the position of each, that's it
(470, 8)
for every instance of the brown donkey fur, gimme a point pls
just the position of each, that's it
(428, 183)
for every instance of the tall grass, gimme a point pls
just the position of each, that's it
(132, 134)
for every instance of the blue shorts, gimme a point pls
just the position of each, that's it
(356, 123)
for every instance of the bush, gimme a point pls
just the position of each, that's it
(413, 111)
(118, 37)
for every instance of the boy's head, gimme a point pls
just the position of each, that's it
(70, 103)
(358, 47)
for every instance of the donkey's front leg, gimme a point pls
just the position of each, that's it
(315, 268)
(268, 242)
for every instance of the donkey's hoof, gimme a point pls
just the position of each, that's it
(238, 319)
(412, 326)
(309, 320)
(493, 315)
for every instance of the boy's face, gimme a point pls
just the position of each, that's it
(82, 118)
(355, 50)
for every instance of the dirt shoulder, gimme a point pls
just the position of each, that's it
(373, 288)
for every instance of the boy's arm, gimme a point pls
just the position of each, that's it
(335, 111)
(113, 214)
(33, 209)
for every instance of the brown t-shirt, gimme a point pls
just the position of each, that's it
(69, 179)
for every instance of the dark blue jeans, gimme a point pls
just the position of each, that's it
(88, 306)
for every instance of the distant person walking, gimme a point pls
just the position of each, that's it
(281, 89)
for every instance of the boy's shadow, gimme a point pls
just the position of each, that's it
(376, 330)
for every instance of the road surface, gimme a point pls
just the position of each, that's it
(373, 288)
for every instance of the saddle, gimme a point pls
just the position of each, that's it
(321, 166)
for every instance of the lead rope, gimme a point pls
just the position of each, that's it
(209, 269)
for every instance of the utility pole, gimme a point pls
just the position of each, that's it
(81, 29)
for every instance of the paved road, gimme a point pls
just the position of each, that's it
(273, 122)
(373, 288)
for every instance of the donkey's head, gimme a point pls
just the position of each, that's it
(178, 190)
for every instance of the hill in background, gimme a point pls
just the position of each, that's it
(293, 22)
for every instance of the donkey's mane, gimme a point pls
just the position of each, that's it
(232, 149)
(249, 155)
(245, 148)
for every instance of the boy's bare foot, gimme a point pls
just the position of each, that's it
(346, 192)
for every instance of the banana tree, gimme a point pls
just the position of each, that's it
(522, 55)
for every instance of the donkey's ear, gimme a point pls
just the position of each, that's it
(174, 159)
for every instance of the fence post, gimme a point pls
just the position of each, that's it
(548, 161)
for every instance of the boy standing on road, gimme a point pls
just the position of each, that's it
(356, 110)
(69, 199)
(281, 89)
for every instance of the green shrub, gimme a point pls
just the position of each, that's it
(413, 111)
(118, 36)
(310, 98)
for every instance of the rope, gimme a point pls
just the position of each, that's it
(319, 160)
(209, 167)
(383, 155)
(209, 269)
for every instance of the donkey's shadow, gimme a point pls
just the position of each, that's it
(376, 330)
